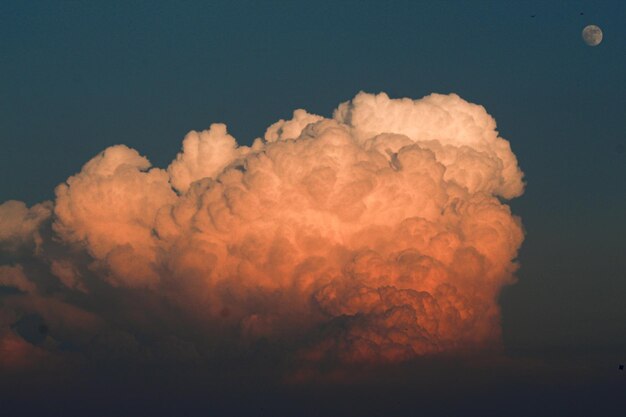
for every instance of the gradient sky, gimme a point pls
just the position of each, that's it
(76, 77)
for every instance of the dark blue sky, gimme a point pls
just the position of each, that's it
(76, 77)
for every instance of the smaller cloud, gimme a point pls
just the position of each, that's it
(19, 225)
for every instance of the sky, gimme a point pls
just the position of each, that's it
(77, 78)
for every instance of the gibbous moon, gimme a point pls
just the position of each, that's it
(592, 35)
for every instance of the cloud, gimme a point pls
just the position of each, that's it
(19, 225)
(205, 154)
(109, 209)
(377, 235)
(14, 277)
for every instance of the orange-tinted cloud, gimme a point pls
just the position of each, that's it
(377, 235)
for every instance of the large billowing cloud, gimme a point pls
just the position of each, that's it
(377, 235)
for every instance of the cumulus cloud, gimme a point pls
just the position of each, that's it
(109, 208)
(205, 154)
(380, 234)
(19, 225)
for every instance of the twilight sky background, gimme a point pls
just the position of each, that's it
(77, 77)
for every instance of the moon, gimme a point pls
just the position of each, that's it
(592, 35)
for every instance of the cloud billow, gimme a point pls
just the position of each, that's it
(377, 235)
